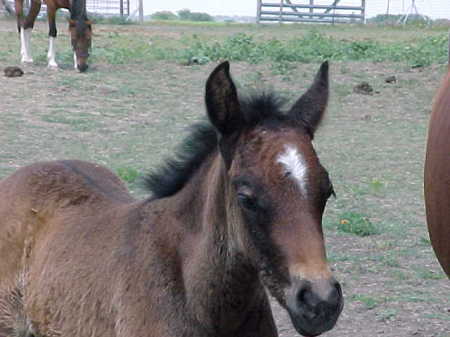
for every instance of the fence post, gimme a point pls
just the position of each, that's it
(258, 11)
(141, 11)
(363, 11)
(121, 8)
(280, 19)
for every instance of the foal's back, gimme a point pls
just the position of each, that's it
(57, 211)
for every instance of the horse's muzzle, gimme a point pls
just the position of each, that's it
(314, 306)
(82, 67)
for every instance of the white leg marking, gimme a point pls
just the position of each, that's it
(51, 55)
(75, 61)
(295, 165)
(25, 45)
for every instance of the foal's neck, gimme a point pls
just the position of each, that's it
(228, 286)
(78, 10)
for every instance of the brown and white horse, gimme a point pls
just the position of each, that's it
(79, 27)
(437, 175)
(237, 212)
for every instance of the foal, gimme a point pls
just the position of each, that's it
(79, 27)
(236, 213)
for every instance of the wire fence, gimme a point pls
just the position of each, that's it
(123, 8)
(435, 9)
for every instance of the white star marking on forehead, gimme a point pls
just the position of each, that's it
(294, 163)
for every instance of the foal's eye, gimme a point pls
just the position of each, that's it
(247, 201)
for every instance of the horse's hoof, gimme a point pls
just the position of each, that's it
(52, 65)
(27, 60)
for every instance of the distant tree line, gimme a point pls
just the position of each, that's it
(394, 19)
(183, 15)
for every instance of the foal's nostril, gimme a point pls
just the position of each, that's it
(334, 299)
(301, 295)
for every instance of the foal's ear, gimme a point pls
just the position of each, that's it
(310, 108)
(221, 99)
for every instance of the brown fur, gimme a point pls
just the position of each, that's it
(81, 257)
(437, 175)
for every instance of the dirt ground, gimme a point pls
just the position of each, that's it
(131, 116)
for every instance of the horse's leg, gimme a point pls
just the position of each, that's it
(25, 26)
(52, 32)
(75, 62)
(20, 22)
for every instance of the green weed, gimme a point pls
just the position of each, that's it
(357, 224)
(386, 315)
(127, 174)
(424, 241)
(428, 274)
(368, 301)
(390, 261)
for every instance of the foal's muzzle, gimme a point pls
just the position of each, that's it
(314, 306)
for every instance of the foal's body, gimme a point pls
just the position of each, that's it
(80, 217)
(237, 213)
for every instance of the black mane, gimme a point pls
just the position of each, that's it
(169, 178)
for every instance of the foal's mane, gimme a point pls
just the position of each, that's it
(171, 176)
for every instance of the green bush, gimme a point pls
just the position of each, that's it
(164, 15)
(415, 19)
(110, 20)
(315, 46)
(187, 15)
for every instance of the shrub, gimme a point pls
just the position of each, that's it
(164, 15)
(187, 15)
(315, 46)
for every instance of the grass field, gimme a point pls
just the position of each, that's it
(145, 87)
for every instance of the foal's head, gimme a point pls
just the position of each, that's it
(277, 191)
(81, 36)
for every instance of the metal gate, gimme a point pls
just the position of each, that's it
(316, 11)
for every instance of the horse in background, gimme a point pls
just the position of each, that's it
(437, 174)
(80, 29)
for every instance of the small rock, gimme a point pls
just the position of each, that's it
(363, 88)
(13, 72)
(391, 79)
